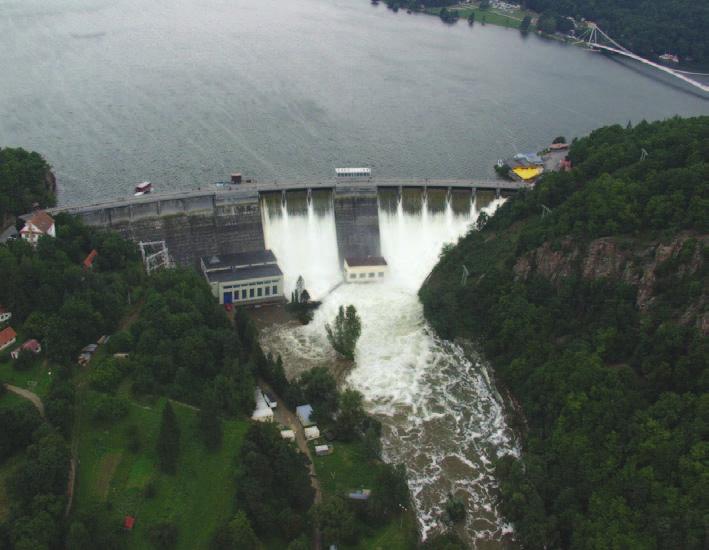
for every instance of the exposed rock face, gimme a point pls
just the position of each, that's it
(622, 259)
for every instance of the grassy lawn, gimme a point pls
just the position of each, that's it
(489, 16)
(347, 469)
(36, 378)
(197, 499)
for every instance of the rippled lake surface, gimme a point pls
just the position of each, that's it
(183, 92)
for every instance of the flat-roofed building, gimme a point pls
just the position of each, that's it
(364, 270)
(244, 278)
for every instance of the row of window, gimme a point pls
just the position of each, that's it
(367, 275)
(251, 293)
(248, 285)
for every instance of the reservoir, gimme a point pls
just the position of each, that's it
(182, 93)
(115, 92)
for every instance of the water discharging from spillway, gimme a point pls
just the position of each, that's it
(442, 415)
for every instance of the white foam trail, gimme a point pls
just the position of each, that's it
(442, 415)
(305, 246)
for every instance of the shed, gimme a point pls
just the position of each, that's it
(305, 413)
(322, 450)
(288, 434)
(128, 523)
(311, 433)
(361, 494)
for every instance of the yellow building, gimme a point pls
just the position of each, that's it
(526, 173)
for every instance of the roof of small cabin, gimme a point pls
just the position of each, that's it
(238, 260)
(32, 345)
(304, 413)
(6, 335)
(355, 261)
(244, 273)
(528, 173)
(41, 220)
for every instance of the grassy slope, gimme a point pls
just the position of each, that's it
(197, 499)
(489, 16)
(347, 469)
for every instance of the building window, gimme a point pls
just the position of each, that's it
(259, 292)
(353, 275)
(275, 290)
(243, 294)
(381, 274)
(268, 291)
(362, 275)
(371, 275)
(251, 293)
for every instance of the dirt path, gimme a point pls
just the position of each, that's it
(30, 396)
(286, 417)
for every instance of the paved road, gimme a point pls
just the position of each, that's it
(30, 396)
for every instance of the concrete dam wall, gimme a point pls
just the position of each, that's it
(196, 224)
(191, 227)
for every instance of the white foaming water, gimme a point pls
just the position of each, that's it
(304, 245)
(442, 415)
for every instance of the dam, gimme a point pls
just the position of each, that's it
(229, 218)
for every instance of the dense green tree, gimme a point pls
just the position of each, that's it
(526, 22)
(336, 521)
(345, 331)
(390, 496)
(168, 444)
(25, 179)
(351, 415)
(209, 425)
(242, 535)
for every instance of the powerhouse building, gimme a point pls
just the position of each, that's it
(244, 278)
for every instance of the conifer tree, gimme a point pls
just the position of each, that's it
(168, 446)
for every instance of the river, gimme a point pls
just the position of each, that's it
(442, 416)
(183, 92)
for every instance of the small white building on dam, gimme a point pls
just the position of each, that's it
(244, 278)
(368, 269)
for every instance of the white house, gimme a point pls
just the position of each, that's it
(38, 225)
(263, 412)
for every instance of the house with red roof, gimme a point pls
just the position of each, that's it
(32, 346)
(38, 225)
(88, 262)
(8, 336)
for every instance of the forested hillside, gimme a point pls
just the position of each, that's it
(589, 296)
(646, 27)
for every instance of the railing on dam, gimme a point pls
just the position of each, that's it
(248, 192)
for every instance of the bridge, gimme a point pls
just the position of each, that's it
(593, 35)
(252, 191)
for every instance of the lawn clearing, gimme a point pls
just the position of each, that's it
(197, 499)
(348, 469)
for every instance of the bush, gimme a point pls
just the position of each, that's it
(108, 408)
(163, 535)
